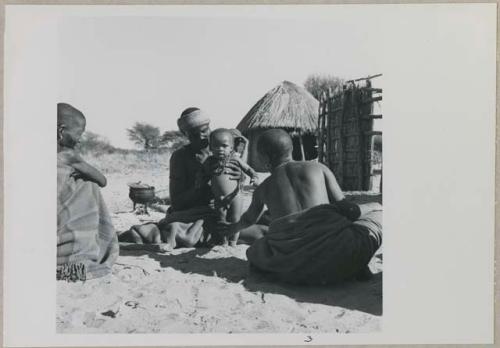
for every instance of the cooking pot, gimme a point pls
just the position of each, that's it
(141, 193)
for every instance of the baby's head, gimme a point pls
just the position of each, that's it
(239, 145)
(221, 143)
(70, 125)
(275, 145)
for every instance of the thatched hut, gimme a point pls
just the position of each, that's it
(289, 107)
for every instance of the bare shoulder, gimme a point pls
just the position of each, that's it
(308, 166)
(177, 154)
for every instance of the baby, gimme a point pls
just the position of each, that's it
(240, 143)
(228, 201)
(70, 127)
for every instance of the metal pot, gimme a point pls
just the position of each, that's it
(141, 193)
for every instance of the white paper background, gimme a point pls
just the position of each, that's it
(439, 127)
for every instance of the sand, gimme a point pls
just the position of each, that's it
(206, 290)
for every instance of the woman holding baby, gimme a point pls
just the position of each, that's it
(191, 219)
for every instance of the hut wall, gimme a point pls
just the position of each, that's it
(348, 143)
(255, 161)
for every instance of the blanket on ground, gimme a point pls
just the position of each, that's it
(316, 246)
(84, 229)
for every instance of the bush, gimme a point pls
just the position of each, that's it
(94, 143)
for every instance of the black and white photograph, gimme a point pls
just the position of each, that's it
(249, 174)
(216, 176)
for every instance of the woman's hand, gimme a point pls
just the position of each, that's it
(233, 169)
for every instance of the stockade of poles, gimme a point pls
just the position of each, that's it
(346, 135)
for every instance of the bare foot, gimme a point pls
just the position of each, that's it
(168, 234)
(165, 247)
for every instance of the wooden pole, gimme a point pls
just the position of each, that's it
(302, 146)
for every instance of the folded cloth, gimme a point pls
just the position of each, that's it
(86, 240)
(317, 246)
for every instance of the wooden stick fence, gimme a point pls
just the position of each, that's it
(346, 138)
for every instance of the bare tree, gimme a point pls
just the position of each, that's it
(317, 84)
(144, 135)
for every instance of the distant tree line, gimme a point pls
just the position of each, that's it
(144, 135)
(149, 137)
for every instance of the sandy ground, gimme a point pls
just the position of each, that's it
(205, 291)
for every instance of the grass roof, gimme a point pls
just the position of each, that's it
(285, 106)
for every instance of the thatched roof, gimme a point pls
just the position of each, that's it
(286, 106)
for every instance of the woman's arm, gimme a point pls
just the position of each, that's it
(249, 171)
(87, 172)
(82, 169)
(184, 194)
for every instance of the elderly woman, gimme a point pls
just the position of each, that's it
(191, 219)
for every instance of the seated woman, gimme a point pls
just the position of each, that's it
(191, 218)
(87, 246)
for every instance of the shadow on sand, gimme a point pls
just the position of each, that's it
(364, 296)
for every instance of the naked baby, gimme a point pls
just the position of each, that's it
(227, 195)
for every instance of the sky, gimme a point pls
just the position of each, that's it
(124, 69)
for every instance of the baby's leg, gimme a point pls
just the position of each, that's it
(234, 215)
(221, 207)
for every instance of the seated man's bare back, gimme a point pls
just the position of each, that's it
(315, 237)
(295, 186)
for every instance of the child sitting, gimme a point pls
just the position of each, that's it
(87, 245)
(228, 201)
(70, 127)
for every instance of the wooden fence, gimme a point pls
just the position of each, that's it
(347, 141)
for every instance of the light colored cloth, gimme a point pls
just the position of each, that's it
(195, 118)
(82, 215)
(317, 246)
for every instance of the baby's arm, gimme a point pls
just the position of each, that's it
(254, 179)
